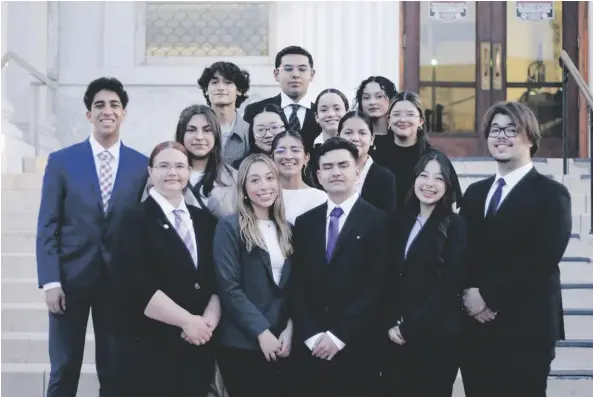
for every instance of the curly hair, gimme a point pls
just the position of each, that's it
(108, 84)
(229, 71)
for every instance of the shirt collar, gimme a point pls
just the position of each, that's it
(346, 206)
(97, 148)
(165, 205)
(319, 140)
(513, 177)
(286, 101)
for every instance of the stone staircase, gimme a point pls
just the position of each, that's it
(25, 361)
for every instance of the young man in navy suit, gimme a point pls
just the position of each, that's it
(294, 71)
(86, 188)
(518, 224)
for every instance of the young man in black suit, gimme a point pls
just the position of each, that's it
(338, 269)
(294, 71)
(519, 224)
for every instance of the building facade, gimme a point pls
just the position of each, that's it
(460, 57)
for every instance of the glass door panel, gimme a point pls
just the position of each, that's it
(447, 84)
(533, 73)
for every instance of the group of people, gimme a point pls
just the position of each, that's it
(302, 249)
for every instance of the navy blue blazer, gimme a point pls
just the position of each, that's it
(73, 233)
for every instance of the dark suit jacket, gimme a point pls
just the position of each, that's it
(514, 257)
(309, 130)
(149, 255)
(251, 301)
(342, 296)
(423, 287)
(379, 188)
(73, 234)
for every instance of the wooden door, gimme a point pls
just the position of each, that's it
(462, 57)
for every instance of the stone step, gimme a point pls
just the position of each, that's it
(30, 380)
(580, 247)
(24, 181)
(20, 200)
(27, 220)
(32, 347)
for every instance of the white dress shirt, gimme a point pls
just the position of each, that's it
(194, 178)
(97, 149)
(511, 180)
(346, 206)
(304, 104)
(168, 209)
(299, 201)
(363, 174)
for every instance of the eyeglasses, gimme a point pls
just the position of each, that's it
(262, 131)
(167, 167)
(293, 150)
(508, 131)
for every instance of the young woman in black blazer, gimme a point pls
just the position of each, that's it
(163, 274)
(376, 185)
(423, 312)
(252, 252)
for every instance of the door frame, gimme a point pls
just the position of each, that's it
(457, 145)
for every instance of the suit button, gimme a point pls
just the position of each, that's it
(197, 286)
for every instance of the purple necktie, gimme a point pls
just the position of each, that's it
(495, 200)
(333, 231)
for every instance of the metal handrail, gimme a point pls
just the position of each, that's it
(568, 67)
(29, 68)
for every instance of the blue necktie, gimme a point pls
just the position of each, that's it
(332, 232)
(495, 200)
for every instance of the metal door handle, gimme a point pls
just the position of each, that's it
(485, 63)
(497, 73)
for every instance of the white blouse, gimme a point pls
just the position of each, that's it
(277, 258)
(299, 201)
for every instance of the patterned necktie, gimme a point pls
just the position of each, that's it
(185, 235)
(495, 200)
(333, 231)
(293, 123)
(105, 178)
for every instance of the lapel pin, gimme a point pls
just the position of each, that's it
(166, 226)
(358, 237)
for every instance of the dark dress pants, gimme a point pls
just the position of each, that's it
(524, 367)
(67, 339)
(152, 367)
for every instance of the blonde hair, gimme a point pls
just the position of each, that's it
(250, 233)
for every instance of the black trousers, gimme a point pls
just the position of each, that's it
(424, 368)
(524, 367)
(246, 373)
(353, 372)
(67, 339)
(152, 368)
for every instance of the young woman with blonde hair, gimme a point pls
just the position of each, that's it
(253, 252)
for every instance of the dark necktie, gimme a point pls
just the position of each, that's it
(333, 231)
(293, 123)
(495, 200)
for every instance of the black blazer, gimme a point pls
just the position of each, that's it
(423, 287)
(379, 189)
(514, 257)
(251, 301)
(309, 130)
(342, 296)
(149, 255)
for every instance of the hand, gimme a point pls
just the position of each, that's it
(285, 342)
(196, 331)
(55, 299)
(485, 315)
(325, 348)
(396, 336)
(269, 345)
(473, 302)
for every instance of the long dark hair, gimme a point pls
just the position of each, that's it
(331, 91)
(216, 165)
(445, 204)
(386, 85)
